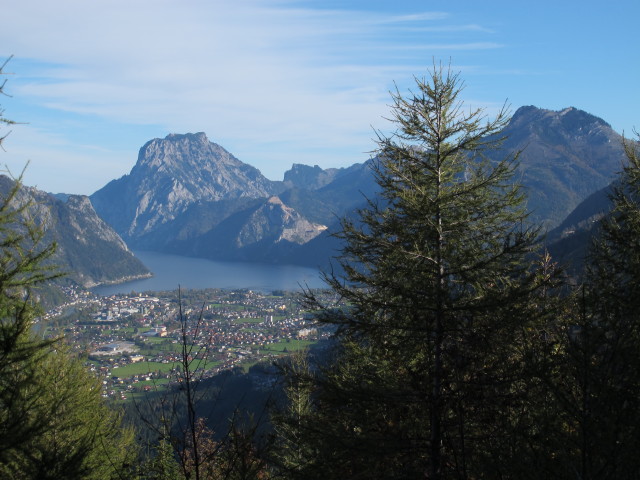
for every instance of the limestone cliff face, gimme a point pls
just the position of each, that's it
(309, 178)
(277, 222)
(170, 176)
(84, 223)
(89, 251)
(266, 231)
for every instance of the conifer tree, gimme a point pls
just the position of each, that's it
(22, 269)
(83, 438)
(428, 381)
(600, 383)
(584, 383)
(22, 257)
(614, 261)
(53, 422)
(291, 454)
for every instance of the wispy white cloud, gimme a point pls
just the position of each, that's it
(451, 29)
(417, 17)
(252, 74)
(454, 46)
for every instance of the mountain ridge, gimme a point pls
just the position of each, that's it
(89, 251)
(566, 155)
(188, 195)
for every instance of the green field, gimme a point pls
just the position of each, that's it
(141, 368)
(152, 383)
(156, 340)
(248, 320)
(250, 330)
(157, 344)
(233, 307)
(291, 346)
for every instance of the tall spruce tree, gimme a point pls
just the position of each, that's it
(53, 421)
(428, 380)
(291, 455)
(614, 261)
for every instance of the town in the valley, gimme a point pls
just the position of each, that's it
(135, 342)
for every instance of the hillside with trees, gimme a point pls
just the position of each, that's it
(53, 422)
(464, 351)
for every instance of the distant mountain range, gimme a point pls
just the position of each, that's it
(189, 196)
(89, 250)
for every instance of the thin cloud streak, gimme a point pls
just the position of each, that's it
(418, 17)
(451, 29)
(248, 75)
(455, 46)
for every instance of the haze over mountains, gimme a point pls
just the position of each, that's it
(188, 196)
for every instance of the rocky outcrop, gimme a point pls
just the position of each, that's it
(309, 178)
(277, 222)
(267, 231)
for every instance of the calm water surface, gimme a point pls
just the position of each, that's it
(171, 271)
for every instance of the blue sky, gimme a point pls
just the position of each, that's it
(278, 82)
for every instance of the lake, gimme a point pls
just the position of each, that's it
(171, 271)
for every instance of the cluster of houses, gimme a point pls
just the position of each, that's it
(230, 328)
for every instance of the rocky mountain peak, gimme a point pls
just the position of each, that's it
(568, 122)
(566, 155)
(171, 175)
(178, 150)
